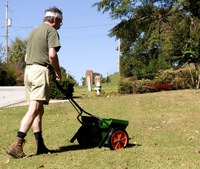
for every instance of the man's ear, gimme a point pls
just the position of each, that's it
(54, 19)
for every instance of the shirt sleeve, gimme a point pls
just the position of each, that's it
(54, 40)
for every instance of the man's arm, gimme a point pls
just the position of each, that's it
(54, 61)
(25, 57)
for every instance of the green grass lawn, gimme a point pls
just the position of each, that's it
(164, 131)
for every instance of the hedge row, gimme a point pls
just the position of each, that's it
(67, 89)
(167, 80)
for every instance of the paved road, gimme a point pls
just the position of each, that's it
(15, 96)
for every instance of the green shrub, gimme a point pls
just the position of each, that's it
(182, 81)
(178, 80)
(141, 86)
(67, 86)
(11, 74)
(165, 77)
(125, 86)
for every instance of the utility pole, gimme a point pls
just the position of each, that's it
(6, 25)
(119, 55)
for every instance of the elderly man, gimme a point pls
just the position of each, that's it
(41, 54)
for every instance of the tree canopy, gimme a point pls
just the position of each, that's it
(17, 52)
(155, 34)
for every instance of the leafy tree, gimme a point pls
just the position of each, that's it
(181, 41)
(139, 31)
(155, 33)
(17, 52)
(194, 7)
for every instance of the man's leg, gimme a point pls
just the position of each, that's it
(35, 108)
(37, 123)
(37, 130)
(16, 149)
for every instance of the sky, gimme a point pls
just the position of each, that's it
(83, 35)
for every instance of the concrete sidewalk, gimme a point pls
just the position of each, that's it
(11, 96)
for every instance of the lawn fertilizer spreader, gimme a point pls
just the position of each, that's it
(96, 131)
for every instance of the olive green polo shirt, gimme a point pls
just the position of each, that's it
(40, 40)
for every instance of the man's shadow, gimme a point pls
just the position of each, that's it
(75, 147)
(79, 147)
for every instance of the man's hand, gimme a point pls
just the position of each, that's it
(58, 77)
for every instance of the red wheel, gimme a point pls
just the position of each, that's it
(118, 139)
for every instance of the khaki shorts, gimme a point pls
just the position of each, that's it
(36, 81)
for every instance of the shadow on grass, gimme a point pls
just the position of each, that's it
(72, 148)
(78, 147)
(63, 149)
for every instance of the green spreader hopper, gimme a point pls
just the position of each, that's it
(96, 131)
